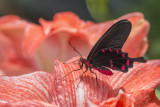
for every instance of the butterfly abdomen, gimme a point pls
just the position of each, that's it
(100, 69)
(86, 62)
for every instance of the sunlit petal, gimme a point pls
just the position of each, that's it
(26, 103)
(70, 93)
(141, 82)
(34, 86)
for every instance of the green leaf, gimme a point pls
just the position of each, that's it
(158, 92)
(99, 9)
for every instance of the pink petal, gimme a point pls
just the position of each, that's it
(67, 26)
(69, 19)
(122, 100)
(8, 18)
(11, 59)
(88, 92)
(140, 27)
(141, 82)
(18, 40)
(66, 87)
(21, 31)
(64, 27)
(27, 103)
(33, 37)
(64, 21)
(25, 88)
(137, 43)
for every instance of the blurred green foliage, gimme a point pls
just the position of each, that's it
(158, 93)
(98, 9)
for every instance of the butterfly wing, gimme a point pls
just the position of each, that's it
(103, 70)
(115, 59)
(112, 58)
(115, 37)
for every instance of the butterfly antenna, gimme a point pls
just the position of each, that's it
(74, 48)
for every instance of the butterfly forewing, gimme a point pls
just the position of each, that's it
(115, 37)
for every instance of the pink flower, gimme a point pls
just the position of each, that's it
(67, 26)
(20, 39)
(135, 88)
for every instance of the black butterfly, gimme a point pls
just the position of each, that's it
(107, 53)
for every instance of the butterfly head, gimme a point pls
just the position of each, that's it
(81, 59)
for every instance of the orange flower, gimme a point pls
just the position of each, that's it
(27, 90)
(67, 26)
(135, 88)
(20, 39)
(17, 39)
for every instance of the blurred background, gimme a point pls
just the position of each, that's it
(32, 10)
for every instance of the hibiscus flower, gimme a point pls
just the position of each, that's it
(134, 88)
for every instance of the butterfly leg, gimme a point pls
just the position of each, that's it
(95, 75)
(81, 66)
(82, 75)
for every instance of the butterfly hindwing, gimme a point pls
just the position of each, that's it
(103, 70)
(113, 58)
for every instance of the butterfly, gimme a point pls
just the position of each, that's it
(107, 54)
